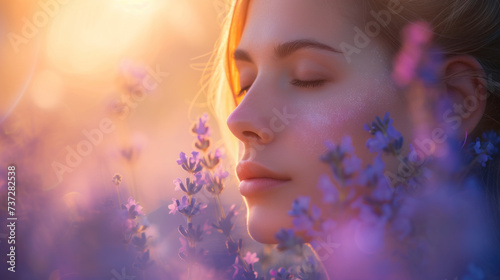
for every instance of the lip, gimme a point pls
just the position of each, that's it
(256, 179)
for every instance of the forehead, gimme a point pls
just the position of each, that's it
(275, 21)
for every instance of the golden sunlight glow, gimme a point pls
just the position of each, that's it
(92, 35)
(134, 4)
(46, 89)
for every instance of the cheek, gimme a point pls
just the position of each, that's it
(337, 115)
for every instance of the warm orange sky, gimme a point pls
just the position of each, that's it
(59, 75)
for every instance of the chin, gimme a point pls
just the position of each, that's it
(263, 222)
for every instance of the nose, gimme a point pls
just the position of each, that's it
(250, 121)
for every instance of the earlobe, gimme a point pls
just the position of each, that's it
(465, 82)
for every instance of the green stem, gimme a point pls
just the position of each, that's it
(219, 204)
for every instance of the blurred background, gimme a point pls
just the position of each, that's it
(90, 89)
(66, 65)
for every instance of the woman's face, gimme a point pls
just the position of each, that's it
(301, 91)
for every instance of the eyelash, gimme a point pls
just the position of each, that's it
(307, 84)
(295, 82)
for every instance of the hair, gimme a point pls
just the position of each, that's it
(461, 27)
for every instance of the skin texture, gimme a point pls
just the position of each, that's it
(352, 95)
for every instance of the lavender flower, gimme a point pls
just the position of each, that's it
(203, 132)
(190, 253)
(191, 164)
(214, 182)
(192, 187)
(143, 261)
(281, 274)
(241, 273)
(202, 144)
(117, 179)
(212, 159)
(300, 206)
(287, 240)
(234, 247)
(201, 128)
(186, 207)
(386, 137)
(408, 63)
(133, 209)
(224, 224)
(173, 207)
(192, 234)
(342, 162)
(251, 259)
(140, 242)
(486, 147)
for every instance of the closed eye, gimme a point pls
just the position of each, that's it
(243, 91)
(295, 82)
(307, 84)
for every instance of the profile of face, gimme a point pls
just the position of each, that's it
(300, 90)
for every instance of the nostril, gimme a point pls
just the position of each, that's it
(250, 134)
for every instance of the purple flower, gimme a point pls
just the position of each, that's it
(386, 137)
(373, 176)
(133, 208)
(201, 128)
(224, 224)
(214, 183)
(342, 161)
(378, 143)
(486, 147)
(251, 258)
(241, 274)
(416, 42)
(212, 159)
(351, 165)
(183, 203)
(300, 206)
(330, 192)
(202, 143)
(288, 240)
(187, 207)
(117, 179)
(191, 164)
(173, 207)
(281, 274)
(192, 187)
(192, 234)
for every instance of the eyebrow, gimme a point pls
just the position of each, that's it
(286, 49)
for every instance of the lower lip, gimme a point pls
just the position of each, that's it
(258, 186)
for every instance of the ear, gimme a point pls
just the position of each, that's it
(466, 86)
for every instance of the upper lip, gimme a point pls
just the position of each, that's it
(250, 170)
